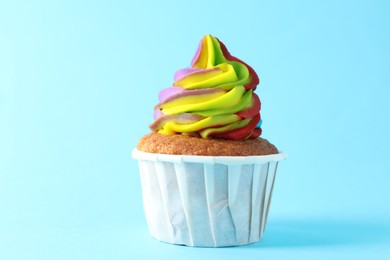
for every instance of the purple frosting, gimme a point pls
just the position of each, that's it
(172, 93)
(193, 92)
(184, 118)
(157, 113)
(184, 72)
(197, 53)
(180, 74)
(168, 92)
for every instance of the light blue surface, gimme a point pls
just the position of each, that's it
(78, 82)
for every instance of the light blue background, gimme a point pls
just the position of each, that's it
(78, 82)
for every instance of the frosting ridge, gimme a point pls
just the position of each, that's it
(212, 99)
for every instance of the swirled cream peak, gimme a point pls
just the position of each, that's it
(212, 99)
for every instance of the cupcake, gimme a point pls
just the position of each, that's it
(207, 176)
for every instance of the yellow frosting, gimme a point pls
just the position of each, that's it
(210, 69)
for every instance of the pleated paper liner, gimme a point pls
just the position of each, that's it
(207, 201)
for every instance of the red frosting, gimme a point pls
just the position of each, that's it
(254, 78)
(243, 132)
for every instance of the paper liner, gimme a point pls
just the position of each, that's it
(208, 201)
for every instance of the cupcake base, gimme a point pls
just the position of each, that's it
(207, 201)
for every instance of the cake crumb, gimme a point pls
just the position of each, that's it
(189, 145)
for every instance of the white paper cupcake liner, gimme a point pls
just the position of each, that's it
(208, 201)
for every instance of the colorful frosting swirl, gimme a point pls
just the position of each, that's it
(212, 99)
